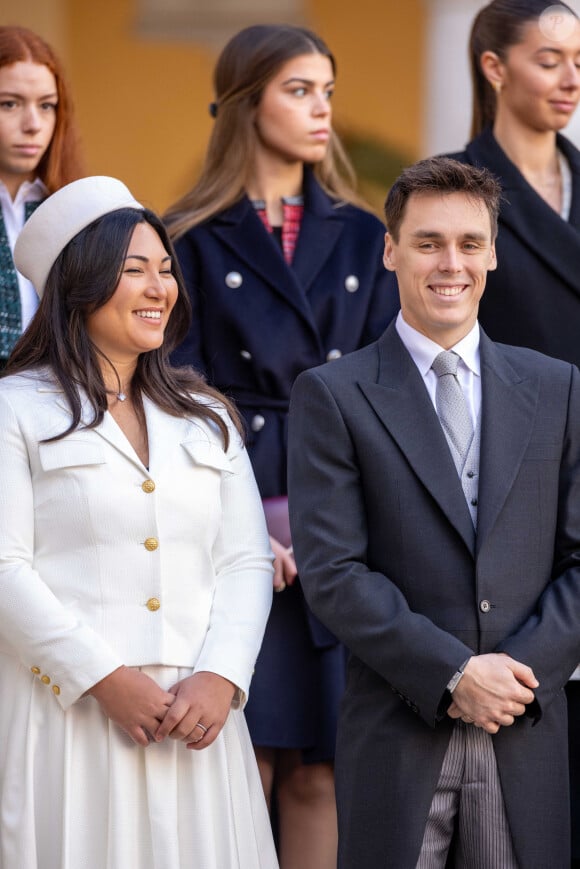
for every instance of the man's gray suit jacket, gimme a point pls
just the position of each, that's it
(391, 563)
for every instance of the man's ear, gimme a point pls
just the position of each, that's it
(389, 254)
(493, 260)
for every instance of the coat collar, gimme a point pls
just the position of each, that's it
(524, 211)
(400, 400)
(323, 223)
(238, 227)
(161, 429)
(156, 422)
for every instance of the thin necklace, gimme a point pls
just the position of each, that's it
(119, 395)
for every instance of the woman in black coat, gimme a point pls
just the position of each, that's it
(285, 272)
(525, 64)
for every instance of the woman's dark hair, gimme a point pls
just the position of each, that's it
(497, 27)
(83, 278)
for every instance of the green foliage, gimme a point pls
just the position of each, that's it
(374, 161)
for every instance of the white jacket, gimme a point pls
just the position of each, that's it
(104, 562)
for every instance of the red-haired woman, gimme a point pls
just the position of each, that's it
(39, 153)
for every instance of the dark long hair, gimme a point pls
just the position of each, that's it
(247, 63)
(497, 27)
(62, 162)
(82, 279)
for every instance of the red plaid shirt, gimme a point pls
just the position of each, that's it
(293, 209)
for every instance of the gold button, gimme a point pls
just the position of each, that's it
(45, 679)
(153, 604)
(35, 670)
(148, 486)
(151, 543)
(55, 690)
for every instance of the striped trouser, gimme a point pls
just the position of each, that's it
(468, 795)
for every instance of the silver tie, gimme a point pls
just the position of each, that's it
(451, 405)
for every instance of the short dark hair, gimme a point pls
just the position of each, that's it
(444, 176)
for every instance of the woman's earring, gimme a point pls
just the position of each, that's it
(497, 87)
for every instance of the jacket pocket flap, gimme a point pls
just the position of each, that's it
(208, 454)
(70, 453)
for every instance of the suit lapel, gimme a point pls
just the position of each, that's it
(537, 225)
(402, 403)
(165, 433)
(508, 409)
(110, 431)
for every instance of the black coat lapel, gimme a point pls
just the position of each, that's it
(537, 225)
(402, 403)
(320, 231)
(508, 409)
(573, 156)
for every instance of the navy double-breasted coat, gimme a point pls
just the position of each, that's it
(257, 323)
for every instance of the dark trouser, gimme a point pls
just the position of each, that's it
(573, 697)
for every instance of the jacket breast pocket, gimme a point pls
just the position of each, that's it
(206, 454)
(210, 470)
(68, 467)
(70, 453)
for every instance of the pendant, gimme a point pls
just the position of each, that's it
(121, 396)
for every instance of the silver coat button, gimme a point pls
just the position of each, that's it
(234, 280)
(245, 354)
(333, 354)
(484, 606)
(258, 422)
(351, 284)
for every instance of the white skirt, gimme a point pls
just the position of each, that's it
(77, 793)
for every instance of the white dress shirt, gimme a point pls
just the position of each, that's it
(14, 218)
(423, 352)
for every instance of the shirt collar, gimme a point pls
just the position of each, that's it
(423, 350)
(29, 191)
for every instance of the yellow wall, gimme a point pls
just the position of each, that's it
(378, 45)
(142, 105)
(44, 16)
